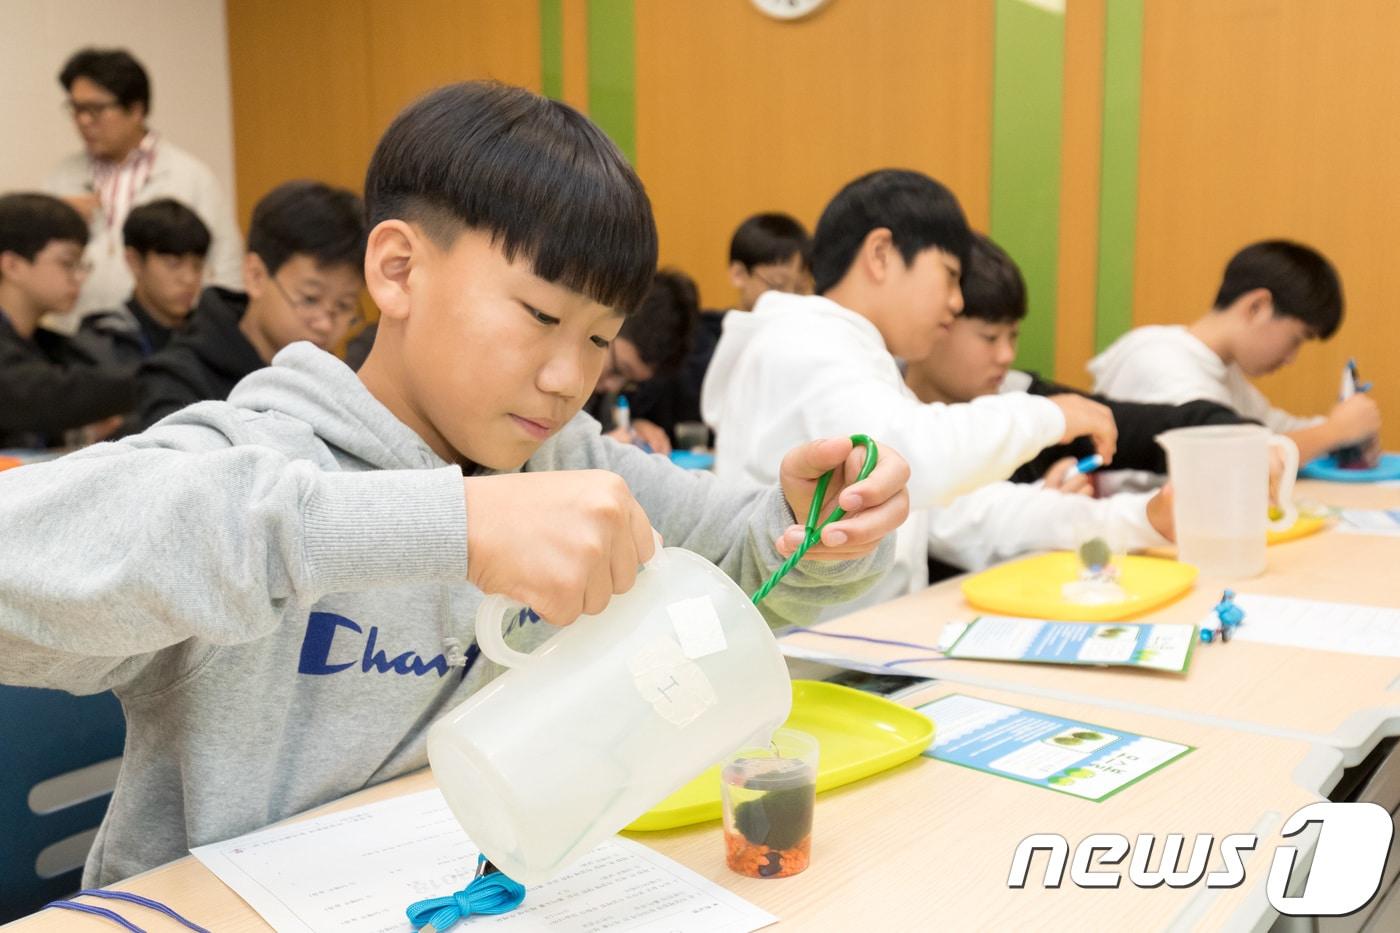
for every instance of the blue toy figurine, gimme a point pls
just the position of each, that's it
(1228, 615)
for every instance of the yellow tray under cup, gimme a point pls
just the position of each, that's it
(859, 734)
(1031, 587)
(1304, 526)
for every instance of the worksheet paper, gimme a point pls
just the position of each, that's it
(1119, 644)
(356, 871)
(1043, 750)
(1306, 623)
(1381, 522)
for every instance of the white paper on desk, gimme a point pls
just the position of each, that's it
(358, 870)
(1306, 623)
(1383, 522)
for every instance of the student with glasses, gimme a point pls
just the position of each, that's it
(303, 274)
(651, 345)
(124, 163)
(44, 393)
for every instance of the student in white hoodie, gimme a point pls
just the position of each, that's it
(1275, 295)
(886, 261)
(1046, 509)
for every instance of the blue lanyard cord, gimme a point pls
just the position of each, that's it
(143, 902)
(813, 529)
(874, 641)
(96, 911)
(490, 892)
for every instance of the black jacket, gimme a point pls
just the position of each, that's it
(669, 400)
(205, 361)
(1139, 424)
(108, 338)
(47, 387)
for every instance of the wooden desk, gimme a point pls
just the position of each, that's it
(933, 842)
(1348, 495)
(1343, 700)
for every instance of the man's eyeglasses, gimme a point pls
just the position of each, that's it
(338, 313)
(92, 111)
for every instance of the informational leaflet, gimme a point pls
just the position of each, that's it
(1081, 759)
(1380, 522)
(1127, 644)
(357, 871)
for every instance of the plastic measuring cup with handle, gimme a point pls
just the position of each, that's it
(615, 712)
(1220, 474)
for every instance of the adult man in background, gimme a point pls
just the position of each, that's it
(123, 164)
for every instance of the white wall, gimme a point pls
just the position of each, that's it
(182, 43)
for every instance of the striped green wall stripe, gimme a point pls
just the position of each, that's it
(552, 48)
(1027, 126)
(1122, 101)
(612, 72)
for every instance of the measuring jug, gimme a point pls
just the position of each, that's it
(610, 716)
(1220, 474)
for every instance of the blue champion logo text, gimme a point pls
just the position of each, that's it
(323, 627)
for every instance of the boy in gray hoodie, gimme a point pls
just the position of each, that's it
(279, 587)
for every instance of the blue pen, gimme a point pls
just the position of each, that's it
(1352, 456)
(1351, 381)
(622, 416)
(1086, 465)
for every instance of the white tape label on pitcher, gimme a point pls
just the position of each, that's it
(698, 627)
(674, 685)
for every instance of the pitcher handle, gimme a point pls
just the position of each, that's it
(490, 616)
(1285, 483)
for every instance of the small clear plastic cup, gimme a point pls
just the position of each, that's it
(769, 797)
(692, 435)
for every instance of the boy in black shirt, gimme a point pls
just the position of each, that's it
(166, 245)
(43, 391)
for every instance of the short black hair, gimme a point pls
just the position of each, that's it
(166, 226)
(1303, 284)
(31, 221)
(992, 286)
(534, 173)
(765, 239)
(661, 328)
(114, 70)
(919, 213)
(308, 218)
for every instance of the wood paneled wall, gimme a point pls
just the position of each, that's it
(315, 82)
(1267, 118)
(738, 113)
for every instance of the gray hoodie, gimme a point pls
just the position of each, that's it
(274, 587)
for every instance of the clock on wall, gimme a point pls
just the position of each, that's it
(789, 9)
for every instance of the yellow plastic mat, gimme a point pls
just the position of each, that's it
(859, 734)
(1033, 587)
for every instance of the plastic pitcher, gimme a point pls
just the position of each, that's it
(608, 717)
(1221, 478)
